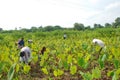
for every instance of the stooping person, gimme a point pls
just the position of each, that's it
(25, 54)
(64, 36)
(100, 43)
(30, 41)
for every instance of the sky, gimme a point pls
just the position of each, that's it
(29, 13)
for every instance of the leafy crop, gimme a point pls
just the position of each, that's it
(72, 58)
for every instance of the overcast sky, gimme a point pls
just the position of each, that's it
(28, 13)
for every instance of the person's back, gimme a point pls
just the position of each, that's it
(25, 54)
(99, 42)
(26, 49)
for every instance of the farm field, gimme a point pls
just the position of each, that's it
(73, 58)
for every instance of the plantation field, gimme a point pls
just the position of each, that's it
(74, 58)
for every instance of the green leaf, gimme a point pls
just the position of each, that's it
(101, 63)
(66, 65)
(110, 73)
(118, 71)
(81, 62)
(73, 69)
(42, 62)
(96, 73)
(84, 46)
(86, 76)
(69, 59)
(86, 65)
(101, 60)
(104, 57)
(81, 73)
(11, 72)
(45, 55)
(55, 73)
(116, 63)
(51, 78)
(45, 70)
(114, 77)
(17, 67)
(26, 68)
(35, 58)
(60, 72)
(1, 66)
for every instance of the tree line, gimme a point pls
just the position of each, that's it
(77, 26)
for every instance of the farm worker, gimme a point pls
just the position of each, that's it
(21, 43)
(100, 43)
(25, 54)
(30, 41)
(41, 51)
(64, 36)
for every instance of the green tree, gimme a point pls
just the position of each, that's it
(57, 27)
(117, 22)
(95, 25)
(87, 27)
(79, 26)
(98, 26)
(48, 28)
(1, 29)
(108, 25)
(33, 29)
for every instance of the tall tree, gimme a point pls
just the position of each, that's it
(33, 29)
(98, 26)
(87, 27)
(79, 26)
(49, 28)
(107, 25)
(1, 29)
(57, 27)
(117, 22)
(95, 25)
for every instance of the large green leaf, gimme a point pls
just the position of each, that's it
(82, 63)
(26, 68)
(66, 65)
(11, 72)
(1, 66)
(84, 46)
(86, 76)
(69, 59)
(104, 57)
(96, 73)
(114, 77)
(45, 70)
(73, 69)
(101, 63)
(116, 63)
(58, 72)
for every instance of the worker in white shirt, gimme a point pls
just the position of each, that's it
(30, 41)
(64, 36)
(25, 54)
(100, 43)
